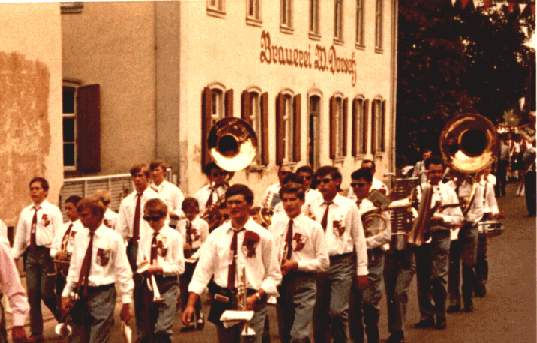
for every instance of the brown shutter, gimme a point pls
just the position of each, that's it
(228, 103)
(383, 127)
(88, 121)
(365, 125)
(297, 143)
(246, 107)
(354, 127)
(279, 129)
(206, 105)
(332, 127)
(374, 117)
(345, 125)
(264, 129)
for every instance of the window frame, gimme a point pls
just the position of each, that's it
(218, 9)
(338, 22)
(74, 167)
(253, 19)
(358, 121)
(338, 123)
(314, 31)
(288, 131)
(258, 120)
(378, 126)
(315, 126)
(379, 26)
(286, 22)
(360, 25)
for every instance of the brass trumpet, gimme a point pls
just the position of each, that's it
(242, 296)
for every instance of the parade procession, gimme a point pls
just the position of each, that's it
(268, 171)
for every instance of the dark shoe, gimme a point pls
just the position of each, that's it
(36, 339)
(469, 308)
(453, 308)
(396, 337)
(440, 324)
(480, 291)
(424, 324)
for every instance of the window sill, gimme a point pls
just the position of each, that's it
(379, 50)
(339, 159)
(256, 168)
(314, 36)
(359, 46)
(338, 41)
(252, 21)
(215, 12)
(286, 29)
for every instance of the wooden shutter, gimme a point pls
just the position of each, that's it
(246, 107)
(264, 129)
(354, 128)
(228, 103)
(279, 128)
(383, 127)
(374, 117)
(88, 129)
(206, 106)
(297, 142)
(365, 127)
(345, 125)
(332, 127)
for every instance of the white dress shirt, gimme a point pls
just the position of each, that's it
(376, 184)
(490, 205)
(11, 287)
(111, 218)
(474, 213)
(202, 195)
(344, 212)
(3, 233)
(172, 196)
(49, 220)
(262, 270)
(199, 233)
(169, 252)
(125, 223)
(308, 245)
(271, 198)
(58, 237)
(109, 263)
(445, 195)
(381, 238)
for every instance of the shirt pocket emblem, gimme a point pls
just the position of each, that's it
(103, 256)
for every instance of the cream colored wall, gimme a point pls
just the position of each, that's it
(227, 50)
(30, 103)
(112, 44)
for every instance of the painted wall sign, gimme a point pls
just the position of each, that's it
(319, 57)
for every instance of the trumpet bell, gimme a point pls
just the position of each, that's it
(232, 144)
(63, 330)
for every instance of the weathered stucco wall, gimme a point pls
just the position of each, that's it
(30, 103)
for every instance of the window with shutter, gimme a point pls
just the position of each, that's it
(333, 127)
(253, 12)
(374, 124)
(280, 144)
(216, 103)
(313, 129)
(383, 126)
(286, 16)
(297, 144)
(228, 112)
(88, 129)
(216, 8)
(378, 25)
(345, 125)
(360, 24)
(69, 127)
(264, 132)
(338, 21)
(254, 111)
(314, 18)
(365, 126)
(357, 123)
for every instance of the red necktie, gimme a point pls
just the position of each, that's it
(210, 200)
(232, 269)
(66, 237)
(324, 221)
(33, 242)
(83, 279)
(154, 247)
(289, 240)
(136, 227)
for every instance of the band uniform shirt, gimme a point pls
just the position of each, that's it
(262, 269)
(202, 195)
(11, 287)
(58, 237)
(170, 255)
(271, 198)
(109, 263)
(475, 211)
(376, 184)
(490, 205)
(49, 220)
(3, 233)
(343, 212)
(311, 196)
(125, 224)
(199, 234)
(171, 195)
(380, 239)
(445, 195)
(111, 218)
(308, 243)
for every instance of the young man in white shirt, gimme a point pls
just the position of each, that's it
(167, 191)
(376, 184)
(37, 225)
(62, 245)
(271, 198)
(301, 253)
(110, 217)
(367, 301)
(194, 231)
(311, 195)
(214, 191)
(347, 251)
(160, 262)
(238, 246)
(432, 259)
(98, 262)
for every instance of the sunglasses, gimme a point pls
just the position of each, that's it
(358, 184)
(152, 218)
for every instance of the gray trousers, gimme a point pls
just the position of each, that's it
(233, 334)
(331, 309)
(432, 262)
(162, 315)
(40, 284)
(295, 306)
(464, 250)
(399, 270)
(364, 305)
(93, 318)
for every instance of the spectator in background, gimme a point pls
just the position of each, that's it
(419, 169)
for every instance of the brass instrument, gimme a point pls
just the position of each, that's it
(401, 211)
(373, 222)
(242, 296)
(63, 328)
(61, 264)
(151, 283)
(416, 236)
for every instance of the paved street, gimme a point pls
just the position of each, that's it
(506, 314)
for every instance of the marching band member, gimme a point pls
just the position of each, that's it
(35, 232)
(367, 301)
(129, 225)
(432, 259)
(311, 195)
(97, 263)
(214, 191)
(302, 253)
(291, 180)
(272, 195)
(347, 252)
(194, 231)
(10, 285)
(238, 244)
(160, 258)
(167, 191)
(420, 170)
(62, 245)
(110, 217)
(376, 184)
